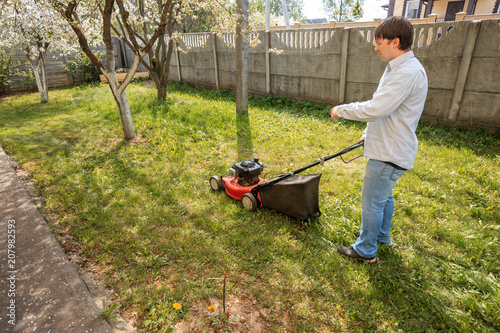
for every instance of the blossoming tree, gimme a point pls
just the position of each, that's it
(136, 29)
(35, 30)
(79, 13)
(145, 15)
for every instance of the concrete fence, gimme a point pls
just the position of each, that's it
(55, 70)
(339, 65)
(55, 64)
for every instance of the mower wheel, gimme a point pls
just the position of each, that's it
(216, 183)
(249, 202)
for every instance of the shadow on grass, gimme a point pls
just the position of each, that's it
(54, 138)
(479, 141)
(408, 292)
(244, 134)
(158, 106)
(30, 112)
(397, 289)
(275, 103)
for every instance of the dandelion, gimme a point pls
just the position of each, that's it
(211, 308)
(177, 306)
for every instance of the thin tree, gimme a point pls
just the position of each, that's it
(78, 12)
(35, 33)
(182, 17)
(139, 25)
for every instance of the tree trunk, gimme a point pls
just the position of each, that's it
(161, 81)
(45, 83)
(35, 67)
(118, 90)
(242, 59)
(68, 11)
(162, 91)
(158, 64)
(125, 115)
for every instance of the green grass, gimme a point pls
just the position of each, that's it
(142, 212)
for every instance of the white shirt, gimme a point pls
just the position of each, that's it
(393, 112)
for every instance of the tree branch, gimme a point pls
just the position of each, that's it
(68, 12)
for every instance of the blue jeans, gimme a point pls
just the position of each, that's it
(377, 207)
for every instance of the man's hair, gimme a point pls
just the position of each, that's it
(396, 27)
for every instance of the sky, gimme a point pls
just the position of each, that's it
(371, 8)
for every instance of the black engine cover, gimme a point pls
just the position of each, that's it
(248, 170)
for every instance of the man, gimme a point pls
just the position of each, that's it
(390, 141)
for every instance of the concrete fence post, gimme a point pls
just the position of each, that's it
(71, 78)
(177, 61)
(458, 92)
(343, 65)
(268, 61)
(216, 64)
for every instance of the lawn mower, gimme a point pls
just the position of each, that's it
(289, 193)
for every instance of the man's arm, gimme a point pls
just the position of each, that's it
(384, 101)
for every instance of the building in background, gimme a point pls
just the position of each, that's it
(446, 10)
(316, 21)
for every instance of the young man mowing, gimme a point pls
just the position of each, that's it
(392, 117)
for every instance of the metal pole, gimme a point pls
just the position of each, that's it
(285, 14)
(268, 14)
(242, 59)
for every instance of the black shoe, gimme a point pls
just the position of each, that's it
(348, 252)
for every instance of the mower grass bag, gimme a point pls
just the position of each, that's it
(296, 196)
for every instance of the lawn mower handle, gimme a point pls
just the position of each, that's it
(320, 161)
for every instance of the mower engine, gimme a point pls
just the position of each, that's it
(243, 177)
(247, 171)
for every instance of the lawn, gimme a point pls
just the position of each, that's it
(143, 216)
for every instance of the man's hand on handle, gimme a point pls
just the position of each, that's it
(333, 113)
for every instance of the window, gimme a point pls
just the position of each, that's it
(411, 9)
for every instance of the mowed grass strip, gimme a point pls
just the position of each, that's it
(143, 215)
